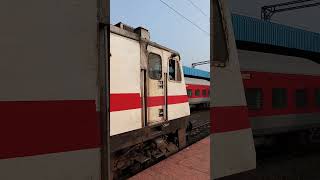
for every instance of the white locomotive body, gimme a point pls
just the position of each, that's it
(148, 102)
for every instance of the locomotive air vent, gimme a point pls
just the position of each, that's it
(125, 27)
(142, 32)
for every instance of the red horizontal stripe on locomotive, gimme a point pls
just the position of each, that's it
(155, 101)
(41, 127)
(121, 102)
(231, 118)
(160, 100)
(177, 99)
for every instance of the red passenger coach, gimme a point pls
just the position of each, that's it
(282, 92)
(198, 87)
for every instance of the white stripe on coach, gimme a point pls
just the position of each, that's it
(195, 81)
(73, 165)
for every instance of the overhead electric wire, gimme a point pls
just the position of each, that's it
(197, 7)
(177, 12)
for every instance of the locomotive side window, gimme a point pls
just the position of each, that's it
(204, 93)
(174, 70)
(178, 75)
(189, 92)
(254, 98)
(301, 98)
(155, 66)
(317, 97)
(279, 98)
(197, 93)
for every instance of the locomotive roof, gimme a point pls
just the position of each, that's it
(266, 62)
(130, 32)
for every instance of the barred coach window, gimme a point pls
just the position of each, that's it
(279, 98)
(301, 98)
(155, 66)
(254, 98)
(197, 93)
(204, 93)
(189, 92)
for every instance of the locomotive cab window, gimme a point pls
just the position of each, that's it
(317, 97)
(254, 98)
(197, 93)
(155, 66)
(189, 92)
(174, 70)
(301, 98)
(279, 98)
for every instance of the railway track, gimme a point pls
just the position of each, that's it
(199, 129)
(200, 121)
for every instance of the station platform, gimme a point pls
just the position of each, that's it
(192, 163)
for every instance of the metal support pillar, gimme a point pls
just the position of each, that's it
(104, 85)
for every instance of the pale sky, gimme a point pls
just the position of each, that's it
(168, 28)
(171, 30)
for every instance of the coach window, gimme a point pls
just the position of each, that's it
(317, 97)
(208, 92)
(301, 98)
(189, 92)
(174, 70)
(197, 93)
(279, 98)
(155, 66)
(204, 93)
(254, 98)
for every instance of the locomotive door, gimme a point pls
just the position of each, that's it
(156, 101)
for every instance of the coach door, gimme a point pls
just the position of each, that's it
(155, 88)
